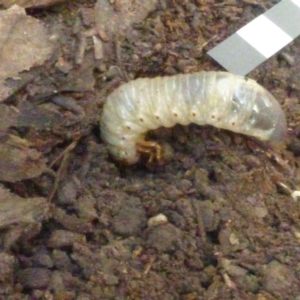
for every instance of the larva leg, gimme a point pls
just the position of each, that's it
(152, 149)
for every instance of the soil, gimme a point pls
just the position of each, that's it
(217, 221)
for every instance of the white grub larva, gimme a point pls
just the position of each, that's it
(220, 99)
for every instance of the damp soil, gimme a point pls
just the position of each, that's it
(215, 221)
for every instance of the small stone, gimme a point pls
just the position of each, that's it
(85, 207)
(34, 278)
(209, 218)
(61, 260)
(278, 277)
(83, 297)
(129, 221)
(157, 220)
(164, 238)
(201, 181)
(63, 66)
(42, 259)
(98, 48)
(64, 238)
(110, 279)
(67, 194)
(7, 263)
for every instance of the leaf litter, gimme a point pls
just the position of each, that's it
(19, 48)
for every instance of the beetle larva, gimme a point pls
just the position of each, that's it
(220, 99)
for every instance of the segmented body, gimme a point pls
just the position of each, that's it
(220, 99)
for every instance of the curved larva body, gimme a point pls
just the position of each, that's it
(220, 99)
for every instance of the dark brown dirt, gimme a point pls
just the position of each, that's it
(233, 229)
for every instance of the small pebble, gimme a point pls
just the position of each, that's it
(164, 238)
(64, 238)
(157, 220)
(34, 278)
